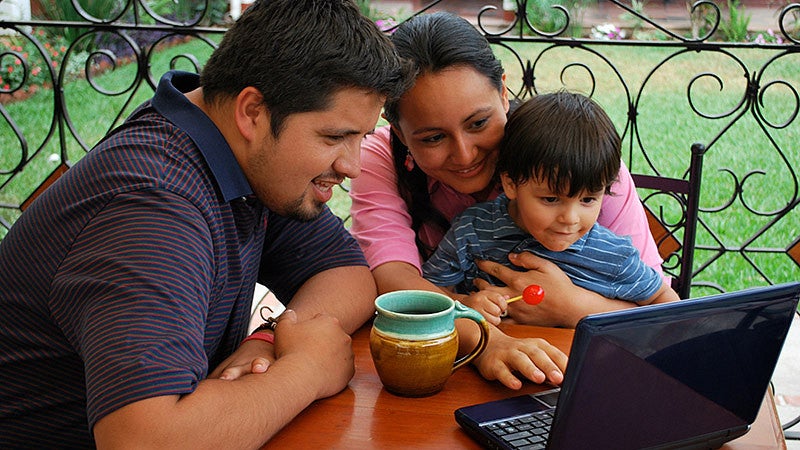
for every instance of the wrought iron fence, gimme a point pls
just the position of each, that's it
(665, 90)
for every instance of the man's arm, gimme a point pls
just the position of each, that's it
(340, 284)
(246, 412)
(347, 293)
(313, 267)
(317, 266)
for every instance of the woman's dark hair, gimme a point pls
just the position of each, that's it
(564, 138)
(299, 53)
(431, 43)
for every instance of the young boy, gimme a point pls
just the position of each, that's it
(558, 158)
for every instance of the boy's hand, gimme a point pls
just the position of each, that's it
(489, 302)
(506, 359)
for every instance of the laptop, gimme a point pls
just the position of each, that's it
(686, 374)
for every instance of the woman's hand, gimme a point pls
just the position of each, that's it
(564, 303)
(554, 310)
(534, 358)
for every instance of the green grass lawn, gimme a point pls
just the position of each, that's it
(669, 88)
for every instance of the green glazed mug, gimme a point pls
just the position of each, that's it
(414, 342)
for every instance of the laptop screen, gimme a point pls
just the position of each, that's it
(655, 377)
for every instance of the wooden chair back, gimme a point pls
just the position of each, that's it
(672, 206)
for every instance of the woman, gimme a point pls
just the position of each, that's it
(437, 159)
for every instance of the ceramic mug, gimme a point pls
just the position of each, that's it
(414, 342)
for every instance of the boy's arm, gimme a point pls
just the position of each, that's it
(663, 295)
(444, 267)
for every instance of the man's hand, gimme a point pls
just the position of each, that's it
(322, 348)
(253, 356)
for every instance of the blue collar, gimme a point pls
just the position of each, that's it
(172, 104)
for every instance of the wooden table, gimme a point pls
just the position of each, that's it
(365, 416)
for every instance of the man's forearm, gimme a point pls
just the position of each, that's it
(243, 413)
(347, 293)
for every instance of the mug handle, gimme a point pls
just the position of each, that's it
(463, 311)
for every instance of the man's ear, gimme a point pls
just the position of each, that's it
(250, 113)
(509, 187)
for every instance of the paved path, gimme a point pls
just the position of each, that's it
(787, 381)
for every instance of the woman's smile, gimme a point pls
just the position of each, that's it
(472, 170)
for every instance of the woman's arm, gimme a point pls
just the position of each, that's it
(382, 226)
(380, 220)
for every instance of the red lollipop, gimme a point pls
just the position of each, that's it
(533, 295)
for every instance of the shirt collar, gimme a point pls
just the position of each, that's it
(172, 104)
(503, 224)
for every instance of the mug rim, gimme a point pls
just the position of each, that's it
(437, 295)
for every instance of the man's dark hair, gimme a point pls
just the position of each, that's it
(564, 138)
(298, 54)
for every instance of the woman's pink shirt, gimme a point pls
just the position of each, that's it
(382, 225)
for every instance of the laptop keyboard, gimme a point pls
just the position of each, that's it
(525, 433)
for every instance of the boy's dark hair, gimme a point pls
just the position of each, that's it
(298, 54)
(431, 43)
(564, 138)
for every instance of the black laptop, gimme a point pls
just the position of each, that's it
(687, 374)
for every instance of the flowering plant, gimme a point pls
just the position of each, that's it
(770, 38)
(386, 24)
(607, 32)
(18, 54)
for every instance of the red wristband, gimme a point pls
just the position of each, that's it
(261, 336)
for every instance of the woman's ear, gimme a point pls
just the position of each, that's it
(509, 187)
(250, 114)
(399, 133)
(504, 94)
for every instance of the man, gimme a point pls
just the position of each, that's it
(125, 289)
